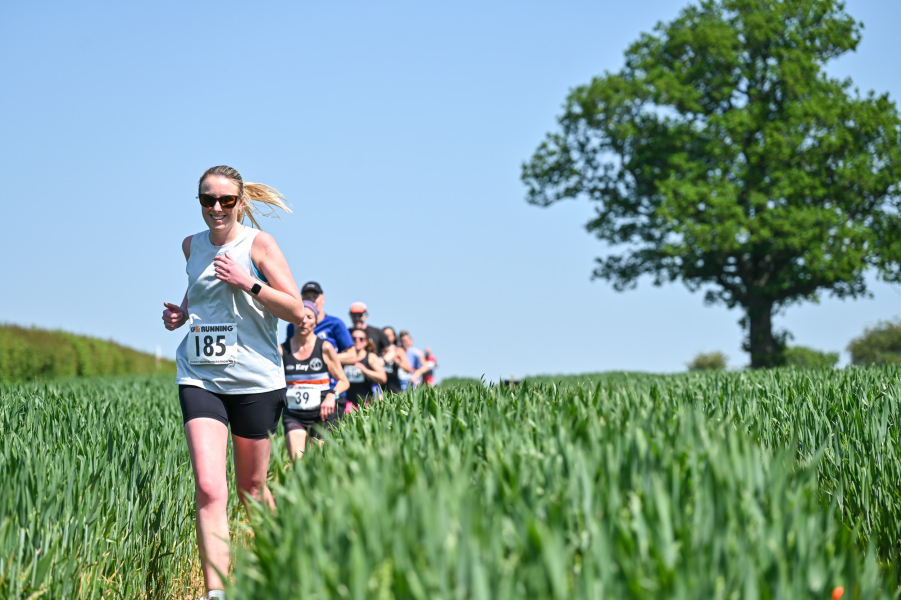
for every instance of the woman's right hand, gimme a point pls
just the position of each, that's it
(173, 317)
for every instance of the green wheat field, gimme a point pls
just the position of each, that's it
(776, 484)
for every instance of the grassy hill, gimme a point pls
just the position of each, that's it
(31, 353)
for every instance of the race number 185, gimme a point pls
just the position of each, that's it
(213, 344)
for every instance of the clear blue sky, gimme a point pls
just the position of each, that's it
(396, 129)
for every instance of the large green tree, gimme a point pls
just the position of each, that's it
(722, 155)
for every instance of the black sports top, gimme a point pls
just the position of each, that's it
(307, 380)
(360, 385)
(392, 370)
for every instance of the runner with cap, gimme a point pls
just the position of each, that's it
(358, 316)
(328, 328)
(311, 398)
(364, 376)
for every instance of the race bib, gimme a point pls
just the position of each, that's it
(304, 397)
(213, 344)
(354, 375)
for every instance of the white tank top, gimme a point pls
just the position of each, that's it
(231, 346)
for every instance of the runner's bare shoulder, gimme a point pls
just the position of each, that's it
(186, 246)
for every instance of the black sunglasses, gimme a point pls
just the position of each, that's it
(210, 201)
(359, 339)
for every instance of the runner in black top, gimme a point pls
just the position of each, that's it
(395, 361)
(308, 362)
(364, 375)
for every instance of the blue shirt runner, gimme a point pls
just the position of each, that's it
(330, 329)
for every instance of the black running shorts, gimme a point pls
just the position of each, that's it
(308, 420)
(251, 416)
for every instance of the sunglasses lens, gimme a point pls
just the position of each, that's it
(225, 201)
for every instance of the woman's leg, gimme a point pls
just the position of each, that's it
(207, 442)
(251, 468)
(297, 442)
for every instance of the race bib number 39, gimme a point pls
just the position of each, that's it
(213, 344)
(304, 397)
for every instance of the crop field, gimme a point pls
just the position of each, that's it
(778, 484)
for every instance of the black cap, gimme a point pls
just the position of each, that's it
(311, 286)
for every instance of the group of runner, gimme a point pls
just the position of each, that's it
(331, 369)
(233, 373)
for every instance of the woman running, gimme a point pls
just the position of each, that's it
(229, 368)
(364, 375)
(311, 399)
(395, 362)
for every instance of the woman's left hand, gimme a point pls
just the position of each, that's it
(232, 273)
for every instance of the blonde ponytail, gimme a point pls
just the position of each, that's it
(258, 195)
(254, 195)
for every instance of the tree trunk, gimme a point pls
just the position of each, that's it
(765, 349)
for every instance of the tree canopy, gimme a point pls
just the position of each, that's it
(723, 155)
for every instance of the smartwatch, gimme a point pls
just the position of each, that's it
(256, 289)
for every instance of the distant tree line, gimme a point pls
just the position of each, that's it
(877, 345)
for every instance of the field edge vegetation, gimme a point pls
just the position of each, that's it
(32, 353)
